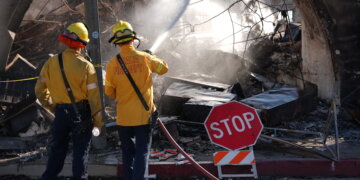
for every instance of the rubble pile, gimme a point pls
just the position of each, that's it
(274, 59)
(184, 97)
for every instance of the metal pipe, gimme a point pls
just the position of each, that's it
(298, 146)
(293, 130)
(303, 141)
(193, 162)
(336, 131)
(188, 122)
(24, 155)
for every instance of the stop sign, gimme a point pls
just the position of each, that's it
(233, 125)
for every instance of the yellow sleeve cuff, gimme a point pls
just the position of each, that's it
(159, 68)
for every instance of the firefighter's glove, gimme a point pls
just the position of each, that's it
(148, 51)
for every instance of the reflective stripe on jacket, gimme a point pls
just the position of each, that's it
(130, 111)
(50, 88)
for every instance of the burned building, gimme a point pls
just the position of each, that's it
(295, 61)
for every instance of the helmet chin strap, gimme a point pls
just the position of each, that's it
(139, 42)
(135, 38)
(111, 39)
(87, 56)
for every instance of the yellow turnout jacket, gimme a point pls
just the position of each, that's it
(81, 75)
(130, 111)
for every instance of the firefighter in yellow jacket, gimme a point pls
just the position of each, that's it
(68, 124)
(133, 119)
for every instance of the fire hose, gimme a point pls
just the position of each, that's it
(193, 162)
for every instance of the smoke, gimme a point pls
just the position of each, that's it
(154, 19)
(208, 40)
(211, 37)
(189, 51)
(151, 21)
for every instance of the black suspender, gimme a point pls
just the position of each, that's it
(68, 89)
(132, 82)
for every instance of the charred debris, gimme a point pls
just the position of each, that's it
(266, 81)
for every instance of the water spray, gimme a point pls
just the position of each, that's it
(165, 34)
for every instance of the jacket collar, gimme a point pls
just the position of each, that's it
(72, 50)
(127, 47)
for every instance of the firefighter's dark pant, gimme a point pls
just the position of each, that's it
(134, 155)
(63, 128)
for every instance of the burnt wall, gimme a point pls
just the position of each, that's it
(344, 26)
(317, 61)
(330, 49)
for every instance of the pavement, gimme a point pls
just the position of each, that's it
(270, 161)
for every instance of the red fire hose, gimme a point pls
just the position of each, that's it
(193, 162)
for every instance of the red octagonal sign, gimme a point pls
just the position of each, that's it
(233, 125)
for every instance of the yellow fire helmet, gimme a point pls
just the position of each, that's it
(77, 32)
(122, 33)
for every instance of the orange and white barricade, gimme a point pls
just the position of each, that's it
(244, 157)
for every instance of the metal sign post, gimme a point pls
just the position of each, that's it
(147, 175)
